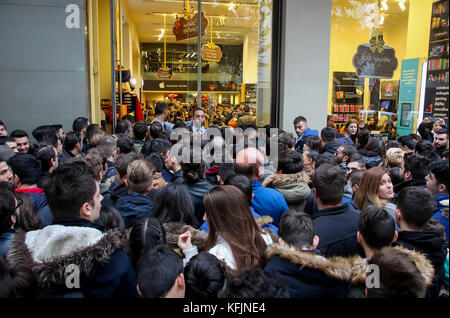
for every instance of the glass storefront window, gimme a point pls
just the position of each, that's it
(379, 55)
(239, 78)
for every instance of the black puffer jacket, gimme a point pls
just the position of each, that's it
(433, 246)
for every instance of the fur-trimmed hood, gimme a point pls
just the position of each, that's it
(49, 252)
(276, 180)
(174, 230)
(294, 187)
(350, 269)
(264, 220)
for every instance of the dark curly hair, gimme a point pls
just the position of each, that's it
(204, 276)
(193, 171)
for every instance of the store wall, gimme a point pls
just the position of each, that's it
(250, 59)
(42, 64)
(305, 62)
(418, 35)
(94, 80)
(152, 98)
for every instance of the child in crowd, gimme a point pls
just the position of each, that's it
(139, 182)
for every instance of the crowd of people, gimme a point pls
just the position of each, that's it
(89, 214)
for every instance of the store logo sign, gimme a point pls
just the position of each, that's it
(165, 73)
(73, 19)
(388, 89)
(375, 60)
(188, 28)
(209, 53)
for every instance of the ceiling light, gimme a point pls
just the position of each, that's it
(232, 7)
(382, 19)
(401, 4)
(161, 35)
(384, 5)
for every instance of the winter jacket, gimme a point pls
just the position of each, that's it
(133, 207)
(197, 191)
(138, 144)
(372, 158)
(247, 119)
(115, 192)
(409, 183)
(43, 179)
(269, 170)
(66, 155)
(425, 133)
(433, 246)
(300, 141)
(348, 196)
(45, 216)
(337, 228)
(344, 140)
(111, 171)
(441, 213)
(307, 274)
(293, 187)
(40, 200)
(390, 209)
(330, 148)
(5, 241)
(105, 271)
(176, 177)
(36, 194)
(267, 201)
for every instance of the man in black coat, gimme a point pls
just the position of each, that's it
(336, 224)
(299, 264)
(413, 170)
(415, 207)
(74, 257)
(328, 139)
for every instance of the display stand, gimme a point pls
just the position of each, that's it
(436, 101)
(348, 97)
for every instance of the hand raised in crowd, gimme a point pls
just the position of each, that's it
(184, 241)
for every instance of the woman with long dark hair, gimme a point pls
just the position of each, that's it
(233, 233)
(174, 209)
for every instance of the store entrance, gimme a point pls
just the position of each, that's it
(162, 53)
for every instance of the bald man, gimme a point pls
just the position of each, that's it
(266, 201)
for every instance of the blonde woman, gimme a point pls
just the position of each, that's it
(376, 189)
(394, 157)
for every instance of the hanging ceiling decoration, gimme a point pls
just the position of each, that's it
(210, 51)
(165, 72)
(375, 59)
(186, 27)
